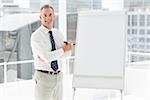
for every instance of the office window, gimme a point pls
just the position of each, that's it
(142, 40)
(148, 49)
(133, 58)
(96, 4)
(142, 20)
(148, 32)
(148, 40)
(148, 20)
(141, 58)
(129, 47)
(129, 18)
(134, 46)
(22, 3)
(148, 58)
(134, 39)
(141, 50)
(146, 2)
(71, 26)
(134, 3)
(134, 31)
(134, 20)
(129, 32)
(141, 32)
(141, 46)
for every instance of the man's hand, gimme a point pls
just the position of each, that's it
(67, 46)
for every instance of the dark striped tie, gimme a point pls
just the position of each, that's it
(54, 64)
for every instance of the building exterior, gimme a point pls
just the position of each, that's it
(136, 3)
(139, 35)
(138, 29)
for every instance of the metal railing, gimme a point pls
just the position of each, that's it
(139, 53)
(5, 64)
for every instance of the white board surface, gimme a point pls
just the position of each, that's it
(100, 49)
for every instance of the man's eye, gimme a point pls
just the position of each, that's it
(44, 15)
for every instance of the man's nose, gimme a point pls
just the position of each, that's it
(48, 18)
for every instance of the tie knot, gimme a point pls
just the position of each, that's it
(50, 32)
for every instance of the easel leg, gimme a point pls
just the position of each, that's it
(122, 93)
(74, 89)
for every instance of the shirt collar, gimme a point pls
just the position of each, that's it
(46, 30)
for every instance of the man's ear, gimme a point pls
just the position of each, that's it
(55, 17)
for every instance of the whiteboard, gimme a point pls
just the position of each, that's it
(100, 49)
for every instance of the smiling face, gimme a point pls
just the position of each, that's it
(47, 17)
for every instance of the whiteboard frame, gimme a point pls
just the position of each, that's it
(82, 80)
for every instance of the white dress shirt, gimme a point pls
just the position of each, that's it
(41, 47)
